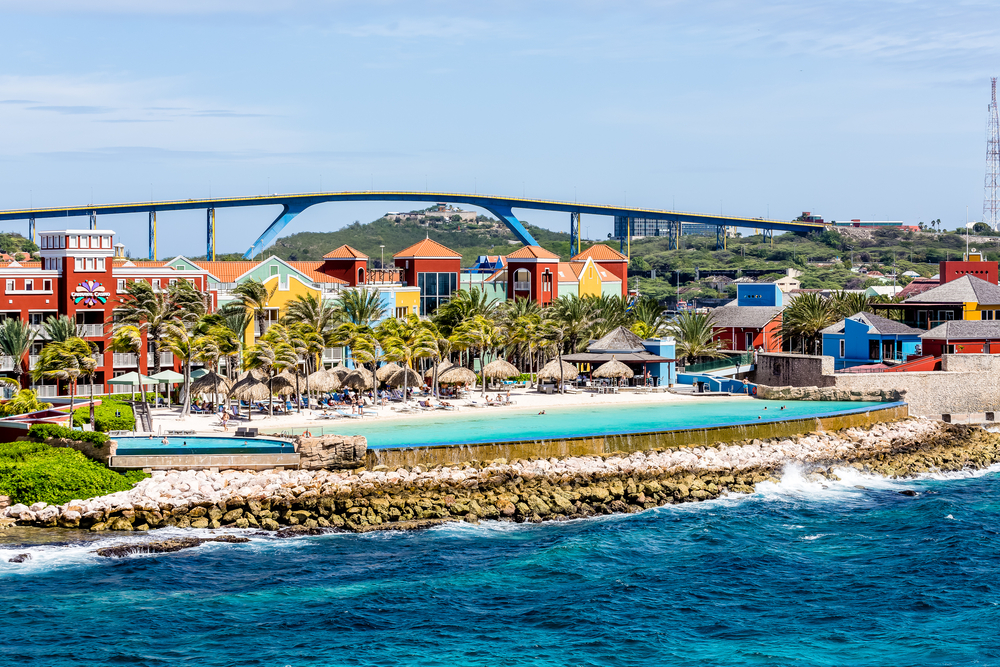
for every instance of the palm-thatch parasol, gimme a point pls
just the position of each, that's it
(500, 369)
(613, 369)
(457, 375)
(211, 383)
(250, 389)
(324, 380)
(550, 371)
(404, 376)
(359, 379)
(281, 385)
(387, 371)
(341, 371)
(441, 368)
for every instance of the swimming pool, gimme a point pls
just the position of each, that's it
(190, 444)
(493, 425)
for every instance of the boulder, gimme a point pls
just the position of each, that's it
(331, 452)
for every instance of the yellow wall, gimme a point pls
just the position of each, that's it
(408, 299)
(973, 310)
(281, 298)
(590, 280)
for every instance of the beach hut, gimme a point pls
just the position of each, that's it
(613, 369)
(458, 375)
(551, 371)
(211, 383)
(324, 380)
(385, 372)
(500, 370)
(359, 379)
(403, 376)
(341, 371)
(249, 388)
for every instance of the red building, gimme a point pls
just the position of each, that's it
(347, 264)
(976, 268)
(433, 268)
(609, 259)
(82, 274)
(532, 272)
(962, 337)
(747, 328)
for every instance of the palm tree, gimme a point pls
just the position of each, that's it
(16, 338)
(577, 315)
(303, 339)
(66, 360)
(253, 296)
(483, 335)
(408, 341)
(463, 305)
(150, 310)
(361, 306)
(60, 328)
(237, 321)
(309, 309)
(128, 339)
(805, 317)
(846, 304)
(648, 320)
(179, 338)
(693, 334)
(556, 331)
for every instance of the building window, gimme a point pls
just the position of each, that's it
(29, 285)
(156, 283)
(73, 241)
(948, 349)
(843, 348)
(274, 270)
(401, 311)
(547, 282)
(35, 318)
(100, 263)
(172, 281)
(435, 289)
(47, 285)
(10, 285)
(522, 280)
(121, 284)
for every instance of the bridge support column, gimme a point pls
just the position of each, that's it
(152, 235)
(31, 230)
(573, 234)
(288, 212)
(93, 220)
(210, 235)
(513, 224)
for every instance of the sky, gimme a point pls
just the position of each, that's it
(872, 110)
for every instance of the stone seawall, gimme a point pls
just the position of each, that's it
(521, 490)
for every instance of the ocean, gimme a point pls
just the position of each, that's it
(799, 573)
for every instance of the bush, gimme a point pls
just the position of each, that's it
(42, 432)
(56, 475)
(106, 416)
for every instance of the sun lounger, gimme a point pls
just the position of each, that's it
(332, 415)
(349, 415)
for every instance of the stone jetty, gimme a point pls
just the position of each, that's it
(522, 490)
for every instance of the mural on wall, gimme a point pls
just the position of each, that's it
(90, 293)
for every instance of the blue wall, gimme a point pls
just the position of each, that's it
(758, 294)
(663, 347)
(857, 339)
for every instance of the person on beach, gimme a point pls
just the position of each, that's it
(746, 386)
(508, 397)
(225, 419)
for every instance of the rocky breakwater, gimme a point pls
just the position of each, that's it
(522, 490)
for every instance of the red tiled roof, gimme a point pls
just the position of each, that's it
(226, 272)
(345, 252)
(917, 286)
(598, 253)
(427, 248)
(532, 252)
(140, 263)
(311, 269)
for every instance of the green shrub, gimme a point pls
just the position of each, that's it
(18, 451)
(42, 432)
(56, 475)
(110, 415)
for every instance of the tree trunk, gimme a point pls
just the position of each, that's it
(562, 386)
(186, 405)
(298, 394)
(155, 344)
(93, 418)
(482, 375)
(270, 391)
(72, 401)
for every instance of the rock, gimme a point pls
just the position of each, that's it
(165, 546)
(331, 452)
(908, 492)
(119, 523)
(19, 558)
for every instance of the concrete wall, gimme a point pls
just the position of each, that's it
(966, 383)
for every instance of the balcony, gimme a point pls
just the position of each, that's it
(125, 360)
(384, 277)
(332, 354)
(33, 361)
(166, 359)
(522, 286)
(90, 330)
(45, 390)
(6, 363)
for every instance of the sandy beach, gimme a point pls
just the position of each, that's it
(167, 419)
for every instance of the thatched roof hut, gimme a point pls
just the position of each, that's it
(550, 371)
(281, 385)
(324, 380)
(404, 375)
(387, 371)
(341, 371)
(211, 383)
(457, 375)
(359, 379)
(250, 389)
(500, 369)
(613, 369)
(442, 367)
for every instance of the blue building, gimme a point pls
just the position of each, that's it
(869, 339)
(653, 357)
(759, 294)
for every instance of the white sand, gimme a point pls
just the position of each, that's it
(165, 419)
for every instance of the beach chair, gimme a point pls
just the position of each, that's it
(349, 415)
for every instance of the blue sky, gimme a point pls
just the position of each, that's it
(848, 109)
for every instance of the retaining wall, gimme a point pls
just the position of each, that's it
(607, 444)
(207, 461)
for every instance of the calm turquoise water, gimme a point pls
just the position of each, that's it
(181, 444)
(795, 575)
(490, 425)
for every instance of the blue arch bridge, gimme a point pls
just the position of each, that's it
(629, 221)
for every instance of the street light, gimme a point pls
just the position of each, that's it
(382, 261)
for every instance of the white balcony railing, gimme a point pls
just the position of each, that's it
(166, 359)
(100, 359)
(6, 363)
(125, 359)
(33, 361)
(521, 286)
(91, 330)
(46, 390)
(84, 389)
(332, 354)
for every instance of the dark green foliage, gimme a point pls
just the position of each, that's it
(105, 416)
(41, 432)
(13, 243)
(33, 472)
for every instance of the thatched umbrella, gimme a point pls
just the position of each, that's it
(341, 371)
(550, 371)
(403, 376)
(324, 380)
(613, 369)
(282, 384)
(441, 368)
(249, 389)
(457, 375)
(211, 383)
(500, 369)
(359, 379)
(383, 374)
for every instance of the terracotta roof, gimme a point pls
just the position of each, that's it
(226, 272)
(917, 286)
(532, 252)
(33, 264)
(427, 248)
(345, 252)
(140, 263)
(598, 253)
(311, 269)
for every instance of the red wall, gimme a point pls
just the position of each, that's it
(769, 337)
(537, 293)
(420, 265)
(345, 269)
(952, 270)
(981, 346)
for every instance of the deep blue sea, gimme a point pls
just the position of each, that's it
(796, 574)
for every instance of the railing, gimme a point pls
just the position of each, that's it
(39, 330)
(84, 389)
(125, 359)
(521, 286)
(33, 361)
(166, 359)
(92, 330)
(384, 276)
(332, 354)
(46, 390)
(6, 363)
(100, 359)
(745, 359)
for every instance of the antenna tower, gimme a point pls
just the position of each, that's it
(991, 204)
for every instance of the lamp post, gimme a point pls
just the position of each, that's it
(382, 261)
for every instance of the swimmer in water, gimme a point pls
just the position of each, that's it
(542, 412)
(184, 444)
(782, 407)
(165, 441)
